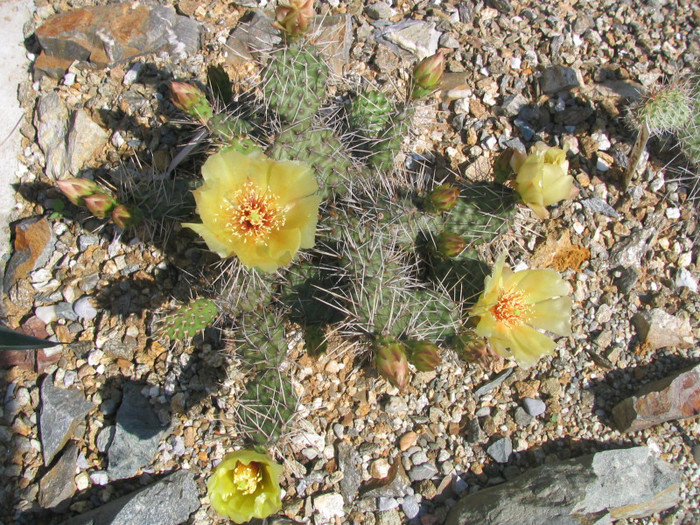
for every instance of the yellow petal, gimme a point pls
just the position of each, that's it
(226, 169)
(539, 285)
(553, 315)
(528, 345)
(292, 180)
(219, 246)
(304, 217)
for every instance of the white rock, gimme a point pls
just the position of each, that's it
(46, 313)
(84, 309)
(82, 481)
(673, 213)
(329, 506)
(99, 477)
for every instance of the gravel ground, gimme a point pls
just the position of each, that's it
(439, 429)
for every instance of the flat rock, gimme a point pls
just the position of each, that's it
(169, 501)
(581, 490)
(34, 242)
(559, 78)
(57, 486)
(350, 464)
(84, 139)
(500, 450)
(61, 412)
(492, 384)
(104, 35)
(136, 437)
(628, 253)
(675, 397)
(419, 37)
(658, 329)
(51, 122)
(534, 407)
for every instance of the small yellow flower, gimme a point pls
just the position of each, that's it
(514, 305)
(245, 485)
(542, 177)
(255, 208)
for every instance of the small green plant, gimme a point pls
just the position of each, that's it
(188, 320)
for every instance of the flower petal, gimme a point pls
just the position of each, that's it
(528, 345)
(220, 247)
(539, 285)
(292, 180)
(553, 315)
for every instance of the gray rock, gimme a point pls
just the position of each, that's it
(410, 507)
(84, 309)
(384, 504)
(252, 39)
(379, 11)
(350, 464)
(522, 418)
(51, 123)
(474, 432)
(169, 501)
(57, 486)
(559, 78)
(500, 450)
(105, 437)
(628, 253)
(422, 471)
(504, 6)
(512, 104)
(598, 205)
(416, 36)
(390, 517)
(64, 310)
(136, 437)
(398, 488)
(534, 407)
(61, 412)
(685, 279)
(627, 279)
(492, 384)
(580, 490)
(119, 349)
(658, 329)
(84, 139)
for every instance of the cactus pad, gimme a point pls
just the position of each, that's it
(189, 319)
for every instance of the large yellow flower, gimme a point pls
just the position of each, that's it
(542, 177)
(245, 485)
(255, 208)
(514, 305)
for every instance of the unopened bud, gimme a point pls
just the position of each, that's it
(449, 244)
(427, 75)
(100, 204)
(191, 100)
(125, 216)
(475, 350)
(442, 198)
(424, 355)
(77, 189)
(391, 362)
(294, 16)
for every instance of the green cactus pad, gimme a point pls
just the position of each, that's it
(189, 319)
(668, 109)
(261, 341)
(370, 113)
(294, 83)
(389, 141)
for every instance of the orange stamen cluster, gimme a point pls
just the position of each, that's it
(511, 308)
(253, 215)
(247, 478)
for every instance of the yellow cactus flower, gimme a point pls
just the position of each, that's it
(260, 210)
(515, 306)
(542, 177)
(245, 485)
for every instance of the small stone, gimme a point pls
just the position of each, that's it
(408, 440)
(379, 11)
(379, 468)
(82, 481)
(350, 464)
(57, 486)
(51, 123)
(500, 450)
(675, 397)
(534, 407)
(46, 313)
(673, 213)
(384, 504)
(685, 279)
(492, 384)
(417, 36)
(85, 137)
(329, 506)
(105, 437)
(560, 78)
(658, 329)
(410, 507)
(99, 477)
(83, 308)
(34, 242)
(598, 205)
(522, 418)
(422, 471)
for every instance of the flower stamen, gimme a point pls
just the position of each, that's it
(253, 215)
(511, 308)
(247, 478)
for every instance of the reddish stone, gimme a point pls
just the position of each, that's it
(34, 242)
(34, 327)
(46, 357)
(23, 359)
(675, 397)
(53, 67)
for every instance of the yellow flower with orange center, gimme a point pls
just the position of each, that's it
(245, 485)
(260, 210)
(515, 306)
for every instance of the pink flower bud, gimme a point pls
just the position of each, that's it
(294, 16)
(191, 100)
(391, 362)
(124, 216)
(449, 244)
(442, 198)
(424, 355)
(428, 74)
(77, 189)
(100, 204)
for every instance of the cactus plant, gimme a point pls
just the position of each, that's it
(189, 319)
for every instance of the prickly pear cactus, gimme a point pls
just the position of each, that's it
(188, 320)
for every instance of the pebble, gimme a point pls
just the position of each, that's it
(329, 506)
(82, 481)
(422, 471)
(534, 407)
(99, 477)
(384, 504)
(410, 507)
(408, 440)
(500, 450)
(84, 309)
(46, 313)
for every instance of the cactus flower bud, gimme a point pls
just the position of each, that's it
(442, 198)
(191, 100)
(427, 75)
(293, 16)
(424, 355)
(391, 362)
(100, 204)
(125, 216)
(77, 189)
(449, 244)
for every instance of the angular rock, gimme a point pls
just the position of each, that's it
(658, 329)
(581, 490)
(492, 384)
(34, 241)
(136, 437)
(628, 253)
(84, 139)
(598, 205)
(51, 122)
(500, 450)
(329, 506)
(559, 78)
(61, 412)
(168, 501)
(350, 464)
(109, 34)
(419, 37)
(252, 38)
(57, 486)
(675, 397)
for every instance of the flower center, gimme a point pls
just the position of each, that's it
(511, 308)
(253, 215)
(247, 478)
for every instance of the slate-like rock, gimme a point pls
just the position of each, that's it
(57, 486)
(675, 397)
(136, 437)
(350, 464)
(61, 412)
(609, 485)
(51, 122)
(417, 36)
(169, 501)
(114, 33)
(658, 329)
(34, 241)
(500, 450)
